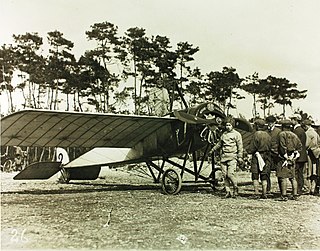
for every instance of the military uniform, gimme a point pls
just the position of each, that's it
(288, 149)
(288, 144)
(313, 147)
(303, 159)
(259, 147)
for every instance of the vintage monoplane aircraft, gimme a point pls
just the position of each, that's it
(120, 139)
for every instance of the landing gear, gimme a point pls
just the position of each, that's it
(217, 182)
(7, 166)
(171, 182)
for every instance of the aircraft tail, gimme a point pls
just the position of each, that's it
(39, 170)
(62, 155)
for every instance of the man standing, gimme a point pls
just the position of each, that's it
(274, 133)
(231, 152)
(303, 159)
(289, 148)
(313, 148)
(259, 147)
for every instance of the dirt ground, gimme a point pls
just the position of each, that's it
(121, 211)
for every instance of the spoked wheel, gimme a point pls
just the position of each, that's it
(8, 166)
(218, 182)
(171, 182)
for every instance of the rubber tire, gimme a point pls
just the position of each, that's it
(8, 166)
(171, 182)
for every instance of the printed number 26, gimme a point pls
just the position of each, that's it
(16, 237)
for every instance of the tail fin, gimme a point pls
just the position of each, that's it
(62, 156)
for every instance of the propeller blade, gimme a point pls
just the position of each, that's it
(192, 119)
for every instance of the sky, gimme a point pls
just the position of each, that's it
(271, 37)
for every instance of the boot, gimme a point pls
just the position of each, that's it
(263, 196)
(256, 187)
(236, 192)
(283, 198)
(228, 195)
(294, 187)
(283, 186)
(264, 189)
(279, 184)
(269, 184)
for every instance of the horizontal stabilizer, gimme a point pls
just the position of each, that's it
(39, 170)
(103, 156)
(84, 173)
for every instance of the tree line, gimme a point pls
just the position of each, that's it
(127, 69)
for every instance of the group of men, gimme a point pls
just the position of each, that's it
(293, 151)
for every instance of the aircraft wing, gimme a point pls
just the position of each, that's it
(47, 128)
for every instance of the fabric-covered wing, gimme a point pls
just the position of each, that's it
(72, 129)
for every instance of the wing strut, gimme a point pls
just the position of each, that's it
(159, 169)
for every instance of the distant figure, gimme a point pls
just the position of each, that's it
(301, 162)
(274, 133)
(231, 152)
(18, 158)
(313, 148)
(260, 147)
(289, 148)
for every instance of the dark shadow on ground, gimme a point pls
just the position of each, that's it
(86, 187)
